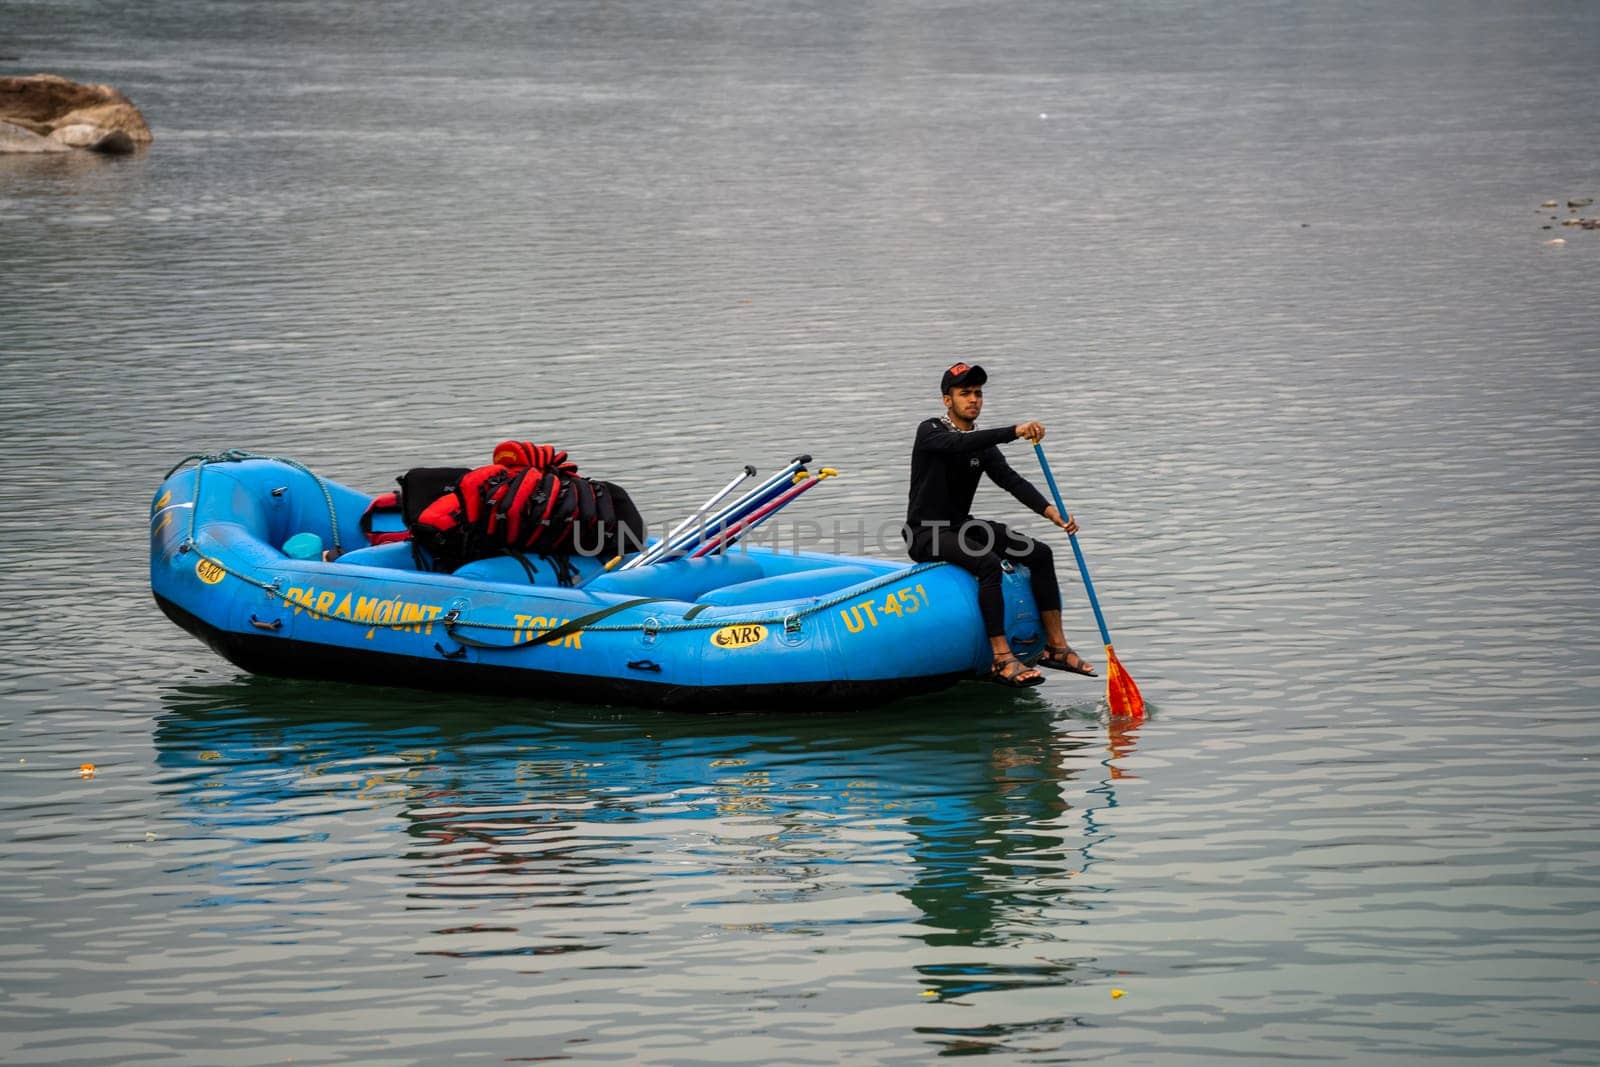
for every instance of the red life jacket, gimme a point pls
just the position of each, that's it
(530, 500)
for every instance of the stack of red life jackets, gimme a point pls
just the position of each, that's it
(530, 500)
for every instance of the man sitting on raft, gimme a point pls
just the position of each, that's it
(946, 461)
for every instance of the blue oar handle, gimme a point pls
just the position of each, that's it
(1083, 568)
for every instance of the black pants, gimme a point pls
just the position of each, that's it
(978, 547)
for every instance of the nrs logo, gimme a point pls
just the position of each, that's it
(741, 636)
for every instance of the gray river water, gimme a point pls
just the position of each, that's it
(1320, 391)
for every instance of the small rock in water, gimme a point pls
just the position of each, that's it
(1555, 242)
(1549, 203)
(1582, 201)
(97, 117)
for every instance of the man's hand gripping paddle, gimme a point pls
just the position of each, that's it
(1121, 693)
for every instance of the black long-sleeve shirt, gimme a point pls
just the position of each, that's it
(946, 465)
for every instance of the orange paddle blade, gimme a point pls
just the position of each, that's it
(1121, 693)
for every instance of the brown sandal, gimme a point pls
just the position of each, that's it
(1023, 677)
(1065, 659)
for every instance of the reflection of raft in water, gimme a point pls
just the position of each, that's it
(752, 628)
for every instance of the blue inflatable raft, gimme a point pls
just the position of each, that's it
(751, 628)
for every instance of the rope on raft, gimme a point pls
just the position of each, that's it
(239, 455)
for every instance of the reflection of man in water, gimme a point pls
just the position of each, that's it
(990, 852)
(947, 460)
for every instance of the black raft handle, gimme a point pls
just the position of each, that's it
(644, 665)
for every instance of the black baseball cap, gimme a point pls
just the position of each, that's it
(962, 374)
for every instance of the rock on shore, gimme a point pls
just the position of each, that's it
(47, 113)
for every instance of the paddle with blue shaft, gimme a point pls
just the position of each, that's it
(685, 543)
(688, 530)
(728, 537)
(1121, 693)
(655, 549)
(734, 518)
(682, 544)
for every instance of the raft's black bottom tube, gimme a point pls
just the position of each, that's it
(285, 658)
